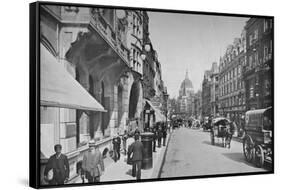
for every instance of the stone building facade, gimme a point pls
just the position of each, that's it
(206, 94)
(232, 87)
(185, 98)
(102, 50)
(258, 70)
(196, 105)
(214, 89)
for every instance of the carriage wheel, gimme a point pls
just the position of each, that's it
(248, 148)
(259, 156)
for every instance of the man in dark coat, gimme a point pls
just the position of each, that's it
(154, 131)
(137, 149)
(164, 133)
(59, 166)
(124, 140)
(137, 131)
(229, 134)
(116, 147)
(159, 136)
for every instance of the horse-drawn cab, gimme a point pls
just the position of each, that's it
(257, 144)
(207, 123)
(219, 129)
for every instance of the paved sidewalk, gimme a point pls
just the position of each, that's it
(120, 170)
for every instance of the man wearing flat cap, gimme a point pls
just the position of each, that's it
(92, 163)
(59, 167)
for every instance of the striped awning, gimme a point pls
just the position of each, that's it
(158, 115)
(60, 89)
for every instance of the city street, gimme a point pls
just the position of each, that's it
(120, 82)
(190, 153)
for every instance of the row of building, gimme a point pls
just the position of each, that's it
(243, 79)
(100, 76)
(188, 103)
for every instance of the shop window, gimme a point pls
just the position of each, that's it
(250, 61)
(256, 59)
(239, 69)
(49, 130)
(77, 126)
(265, 52)
(270, 49)
(267, 87)
(108, 15)
(266, 25)
(251, 39)
(251, 93)
(256, 33)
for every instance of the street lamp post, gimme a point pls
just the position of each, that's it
(146, 49)
(166, 96)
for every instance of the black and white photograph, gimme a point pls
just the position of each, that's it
(138, 94)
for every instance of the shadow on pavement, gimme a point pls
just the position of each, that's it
(238, 157)
(215, 145)
(129, 172)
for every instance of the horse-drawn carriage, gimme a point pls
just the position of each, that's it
(257, 144)
(221, 128)
(207, 123)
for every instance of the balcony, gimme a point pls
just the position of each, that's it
(113, 37)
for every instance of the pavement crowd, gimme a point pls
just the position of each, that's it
(120, 170)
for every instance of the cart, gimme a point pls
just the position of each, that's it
(257, 143)
(219, 129)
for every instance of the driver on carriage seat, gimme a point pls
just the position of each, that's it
(229, 133)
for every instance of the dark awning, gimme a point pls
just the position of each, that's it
(60, 89)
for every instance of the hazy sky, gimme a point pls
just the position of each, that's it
(193, 42)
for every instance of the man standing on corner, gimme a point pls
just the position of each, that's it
(164, 132)
(59, 166)
(92, 163)
(137, 149)
(124, 140)
(116, 147)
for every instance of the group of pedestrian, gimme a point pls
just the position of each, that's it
(57, 169)
(134, 152)
(159, 135)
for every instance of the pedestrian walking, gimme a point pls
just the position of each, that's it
(137, 131)
(164, 132)
(229, 134)
(135, 154)
(159, 136)
(124, 140)
(92, 163)
(57, 168)
(154, 131)
(116, 147)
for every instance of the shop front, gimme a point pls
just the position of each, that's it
(61, 99)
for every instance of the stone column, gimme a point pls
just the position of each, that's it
(97, 116)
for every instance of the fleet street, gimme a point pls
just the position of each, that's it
(136, 94)
(185, 158)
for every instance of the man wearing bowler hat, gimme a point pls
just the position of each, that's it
(92, 163)
(59, 167)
